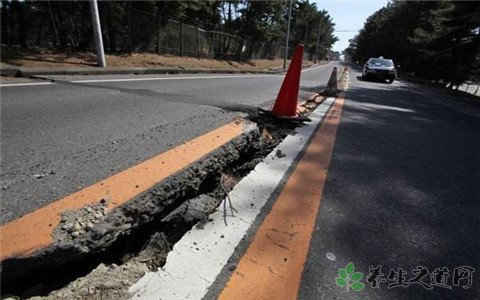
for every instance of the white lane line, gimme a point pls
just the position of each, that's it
(144, 79)
(199, 257)
(185, 77)
(156, 78)
(25, 84)
(168, 78)
(314, 68)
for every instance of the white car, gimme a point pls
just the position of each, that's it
(379, 68)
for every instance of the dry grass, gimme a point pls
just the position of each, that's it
(51, 59)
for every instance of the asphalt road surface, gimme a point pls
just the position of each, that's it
(402, 193)
(58, 138)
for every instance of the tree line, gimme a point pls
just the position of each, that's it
(128, 26)
(436, 40)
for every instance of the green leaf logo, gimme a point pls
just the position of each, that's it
(356, 276)
(357, 286)
(340, 281)
(350, 268)
(349, 278)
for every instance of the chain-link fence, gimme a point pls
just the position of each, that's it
(182, 39)
(129, 30)
(178, 38)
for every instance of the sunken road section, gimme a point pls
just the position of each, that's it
(167, 210)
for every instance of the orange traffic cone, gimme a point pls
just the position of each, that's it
(286, 103)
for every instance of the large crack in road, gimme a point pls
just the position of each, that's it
(141, 232)
(99, 252)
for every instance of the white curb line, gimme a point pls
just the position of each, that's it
(197, 259)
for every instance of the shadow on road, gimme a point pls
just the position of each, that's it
(312, 89)
(402, 191)
(378, 80)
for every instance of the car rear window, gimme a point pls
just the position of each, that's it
(381, 62)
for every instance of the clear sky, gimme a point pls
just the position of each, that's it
(349, 15)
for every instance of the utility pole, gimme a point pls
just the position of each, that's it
(180, 39)
(288, 34)
(318, 41)
(97, 34)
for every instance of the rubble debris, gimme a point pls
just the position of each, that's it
(74, 223)
(280, 154)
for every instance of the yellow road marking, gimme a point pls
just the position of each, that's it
(273, 264)
(33, 231)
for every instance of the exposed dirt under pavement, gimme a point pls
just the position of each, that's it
(100, 255)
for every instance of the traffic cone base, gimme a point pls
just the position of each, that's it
(295, 118)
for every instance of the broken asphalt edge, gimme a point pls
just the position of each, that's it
(201, 255)
(31, 72)
(154, 204)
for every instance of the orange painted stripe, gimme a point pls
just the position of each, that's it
(34, 230)
(273, 264)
